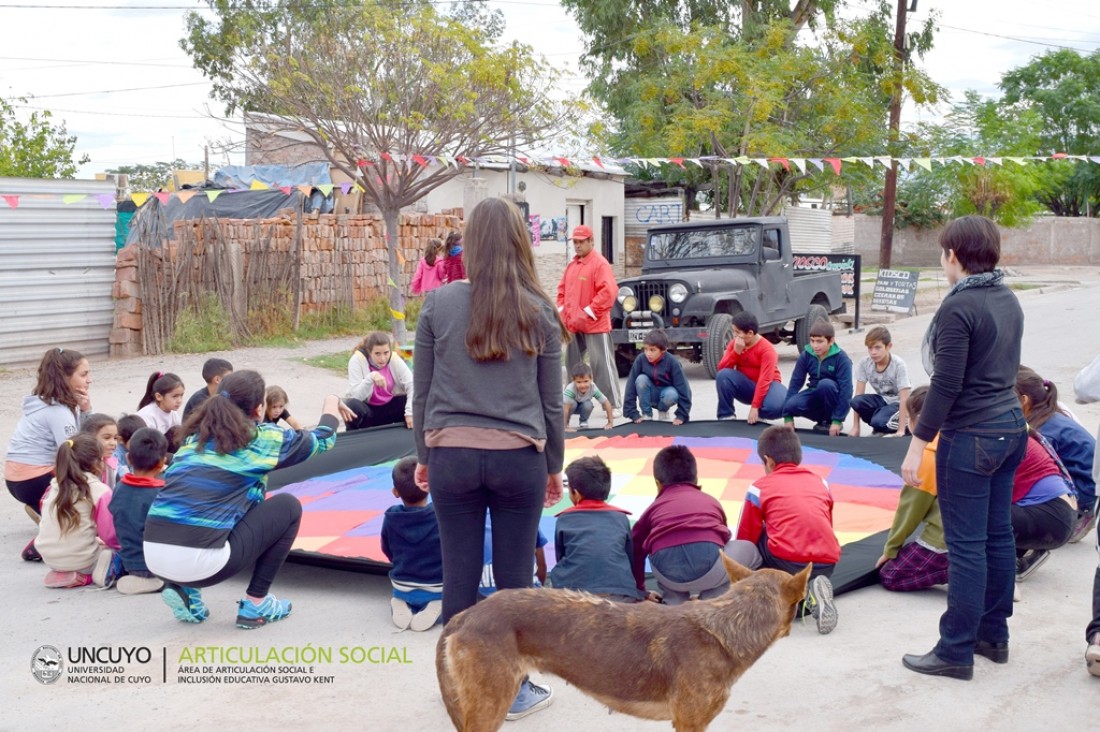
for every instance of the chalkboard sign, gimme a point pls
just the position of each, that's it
(895, 291)
(848, 265)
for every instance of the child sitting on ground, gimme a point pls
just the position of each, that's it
(76, 536)
(682, 532)
(488, 584)
(1044, 511)
(410, 540)
(787, 522)
(656, 381)
(160, 405)
(127, 426)
(825, 400)
(275, 411)
(885, 410)
(104, 428)
(213, 371)
(129, 505)
(581, 394)
(592, 539)
(920, 563)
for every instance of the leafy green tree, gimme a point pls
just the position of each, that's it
(152, 177)
(1062, 88)
(390, 83)
(37, 147)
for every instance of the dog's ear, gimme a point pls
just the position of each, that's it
(794, 589)
(737, 572)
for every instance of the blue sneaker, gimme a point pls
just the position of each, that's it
(186, 602)
(251, 616)
(108, 568)
(531, 698)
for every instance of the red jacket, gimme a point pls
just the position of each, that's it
(795, 506)
(759, 358)
(588, 282)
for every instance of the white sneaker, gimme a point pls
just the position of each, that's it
(131, 585)
(428, 617)
(401, 612)
(583, 425)
(664, 416)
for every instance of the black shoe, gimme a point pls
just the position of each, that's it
(1029, 562)
(995, 652)
(30, 554)
(822, 428)
(933, 665)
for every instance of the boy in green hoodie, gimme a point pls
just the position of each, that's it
(829, 370)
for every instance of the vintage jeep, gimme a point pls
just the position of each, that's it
(697, 275)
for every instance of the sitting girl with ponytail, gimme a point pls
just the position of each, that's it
(76, 535)
(213, 519)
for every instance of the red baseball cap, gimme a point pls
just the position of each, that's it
(582, 232)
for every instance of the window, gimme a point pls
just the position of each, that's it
(701, 243)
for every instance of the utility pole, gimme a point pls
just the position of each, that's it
(890, 192)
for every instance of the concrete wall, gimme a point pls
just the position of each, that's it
(1049, 240)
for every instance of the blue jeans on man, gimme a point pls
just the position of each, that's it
(975, 467)
(652, 397)
(734, 386)
(816, 404)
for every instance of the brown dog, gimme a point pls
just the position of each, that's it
(646, 660)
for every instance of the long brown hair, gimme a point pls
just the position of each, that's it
(160, 382)
(54, 370)
(506, 298)
(226, 418)
(372, 340)
(1042, 396)
(432, 250)
(75, 459)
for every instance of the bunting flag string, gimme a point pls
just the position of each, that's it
(804, 166)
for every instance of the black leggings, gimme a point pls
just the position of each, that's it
(1043, 525)
(30, 491)
(263, 536)
(375, 415)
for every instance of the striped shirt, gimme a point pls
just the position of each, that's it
(207, 493)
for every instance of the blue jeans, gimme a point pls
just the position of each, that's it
(582, 409)
(815, 404)
(733, 386)
(650, 397)
(974, 472)
(464, 483)
(874, 410)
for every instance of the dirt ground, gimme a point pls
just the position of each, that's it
(379, 679)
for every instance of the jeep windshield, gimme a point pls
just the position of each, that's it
(682, 246)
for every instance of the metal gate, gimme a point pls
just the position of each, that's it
(57, 267)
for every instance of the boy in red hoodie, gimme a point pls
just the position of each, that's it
(787, 522)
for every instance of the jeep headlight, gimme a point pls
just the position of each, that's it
(625, 292)
(656, 303)
(629, 303)
(677, 293)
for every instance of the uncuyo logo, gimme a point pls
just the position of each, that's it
(46, 664)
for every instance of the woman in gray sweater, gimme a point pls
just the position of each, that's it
(487, 411)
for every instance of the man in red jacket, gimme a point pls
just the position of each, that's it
(585, 295)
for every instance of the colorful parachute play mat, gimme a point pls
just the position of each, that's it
(345, 491)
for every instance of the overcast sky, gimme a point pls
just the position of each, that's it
(114, 72)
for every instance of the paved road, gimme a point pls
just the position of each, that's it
(383, 680)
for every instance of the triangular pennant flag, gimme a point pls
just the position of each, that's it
(345, 187)
(286, 190)
(994, 161)
(163, 197)
(925, 163)
(782, 161)
(396, 315)
(360, 189)
(596, 160)
(960, 160)
(817, 163)
(12, 201)
(850, 160)
(213, 195)
(420, 160)
(432, 160)
(1018, 161)
(762, 162)
(139, 199)
(979, 160)
(743, 160)
(886, 160)
(869, 162)
(941, 161)
(73, 198)
(677, 161)
(1077, 157)
(463, 159)
(390, 282)
(1058, 156)
(835, 162)
(1094, 159)
(905, 163)
(400, 258)
(387, 157)
(325, 188)
(360, 163)
(258, 185)
(305, 190)
(799, 163)
(564, 162)
(106, 200)
(185, 196)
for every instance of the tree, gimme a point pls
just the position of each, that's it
(380, 88)
(37, 148)
(1063, 88)
(727, 80)
(152, 177)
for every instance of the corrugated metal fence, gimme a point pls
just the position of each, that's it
(57, 267)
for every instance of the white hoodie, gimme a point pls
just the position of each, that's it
(41, 431)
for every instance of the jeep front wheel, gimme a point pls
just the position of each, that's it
(719, 334)
(802, 327)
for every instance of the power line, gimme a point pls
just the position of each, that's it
(116, 91)
(95, 61)
(319, 4)
(1019, 40)
(118, 114)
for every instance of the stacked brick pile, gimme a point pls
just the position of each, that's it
(125, 336)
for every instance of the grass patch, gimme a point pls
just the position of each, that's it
(337, 362)
(201, 327)
(1025, 286)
